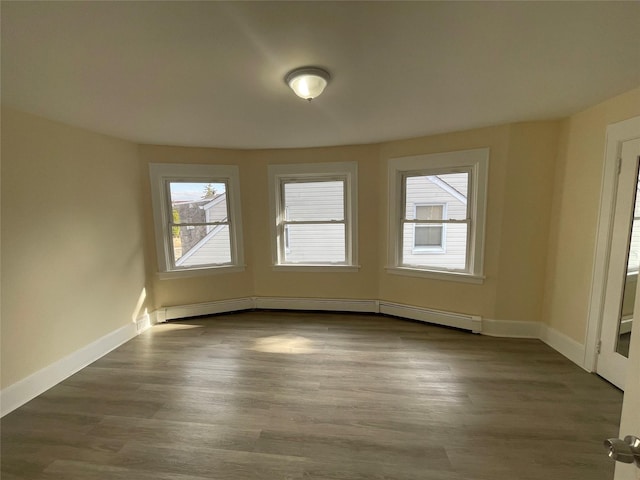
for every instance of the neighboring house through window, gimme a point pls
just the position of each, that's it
(197, 217)
(436, 217)
(313, 210)
(429, 237)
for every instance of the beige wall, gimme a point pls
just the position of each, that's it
(525, 220)
(184, 291)
(259, 278)
(518, 204)
(360, 285)
(519, 201)
(437, 294)
(72, 240)
(574, 219)
(78, 240)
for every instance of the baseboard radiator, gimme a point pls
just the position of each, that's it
(472, 323)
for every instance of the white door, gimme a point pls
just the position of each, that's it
(630, 421)
(622, 273)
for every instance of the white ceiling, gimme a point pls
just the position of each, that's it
(211, 73)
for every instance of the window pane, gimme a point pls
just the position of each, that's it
(198, 202)
(315, 244)
(448, 190)
(193, 191)
(311, 201)
(634, 246)
(428, 236)
(201, 245)
(429, 212)
(452, 255)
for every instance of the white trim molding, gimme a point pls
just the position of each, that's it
(563, 344)
(161, 175)
(39, 382)
(617, 134)
(279, 175)
(445, 276)
(475, 163)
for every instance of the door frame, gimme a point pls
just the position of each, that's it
(617, 134)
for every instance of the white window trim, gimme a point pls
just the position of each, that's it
(477, 161)
(159, 174)
(347, 171)
(425, 249)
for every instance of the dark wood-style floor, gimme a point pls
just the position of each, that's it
(272, 395)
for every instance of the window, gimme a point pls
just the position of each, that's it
(197, 217)
(313, 209)
(436, 214)
(429, 237)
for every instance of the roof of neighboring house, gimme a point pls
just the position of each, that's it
(437, 180)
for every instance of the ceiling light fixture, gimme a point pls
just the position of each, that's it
(307, 82)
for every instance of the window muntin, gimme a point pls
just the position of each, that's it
(457, 182)
(197, 216)
(314, 215)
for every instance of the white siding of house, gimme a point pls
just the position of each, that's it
(315, 201)
(216, 210)
(215, 248)
(316, 244)
(457, 181)
(421, 191)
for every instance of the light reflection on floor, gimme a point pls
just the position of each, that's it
(294, 344)
(168, 327)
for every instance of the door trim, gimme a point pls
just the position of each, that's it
(617, 134)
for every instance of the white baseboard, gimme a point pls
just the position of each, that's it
(563, 344)
(438, 317)
(30, 387)
(510, 328)
(321, 304)
(21, 392)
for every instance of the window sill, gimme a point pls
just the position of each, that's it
(316, 268)
(199, 272)
(427, 250)
(437, 275)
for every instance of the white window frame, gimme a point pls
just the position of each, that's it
(310, 172)
(476, 163)
(418, 249)
(161, 174)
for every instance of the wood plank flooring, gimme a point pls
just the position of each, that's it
(289, 395)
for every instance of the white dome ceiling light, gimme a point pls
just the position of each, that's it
(307, 82)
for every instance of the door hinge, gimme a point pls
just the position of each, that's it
(599, 346)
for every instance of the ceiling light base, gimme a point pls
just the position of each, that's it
(307, 82)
